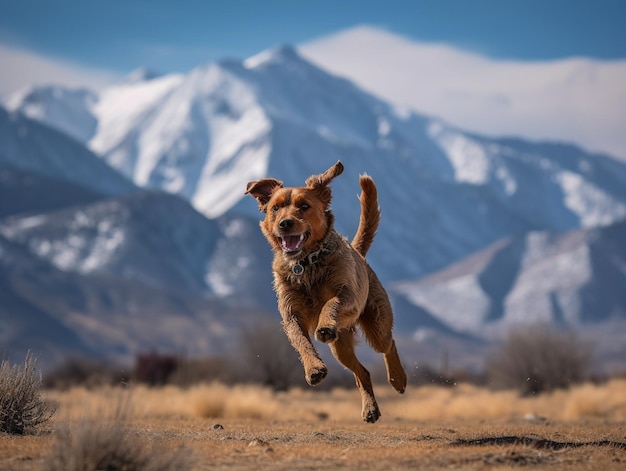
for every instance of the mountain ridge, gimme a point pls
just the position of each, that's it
(192, 141)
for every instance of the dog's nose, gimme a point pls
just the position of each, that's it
(285, 223)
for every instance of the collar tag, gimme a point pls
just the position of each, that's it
(312, 259)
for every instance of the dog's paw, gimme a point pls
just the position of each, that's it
(316, 375)
(371, 414)
(326, 334)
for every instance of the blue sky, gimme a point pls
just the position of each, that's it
(176, 36)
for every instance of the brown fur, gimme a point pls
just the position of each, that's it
(337, 292)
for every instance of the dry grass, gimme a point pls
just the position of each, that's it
(429, 428)
(463, 401)
(22, 409)
(99, 444)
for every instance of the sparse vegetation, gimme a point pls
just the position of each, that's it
(96, 445)
(537, 359)
(22, 407)
(249, 427)
(83, 372)
(462, 401)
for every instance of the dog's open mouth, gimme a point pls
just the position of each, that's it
(292, 243)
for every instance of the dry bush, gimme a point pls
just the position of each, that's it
(268, 358)
(538, 359)
(203, 370)
(154, 368)
(109, 445)
(21, 406)
(82, 372)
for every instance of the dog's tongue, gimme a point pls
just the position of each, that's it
(292, 243)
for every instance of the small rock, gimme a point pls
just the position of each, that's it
(534, 418)
(218, 427)
(258, 442)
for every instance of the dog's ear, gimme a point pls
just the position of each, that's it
(323, 179)
(319, 183)
(262, 190)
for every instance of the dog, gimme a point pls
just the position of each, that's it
(323, 283)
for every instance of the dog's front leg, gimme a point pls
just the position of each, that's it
(339, 312)
(314, 368)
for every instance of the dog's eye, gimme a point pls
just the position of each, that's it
(275, 208)
(304, 206)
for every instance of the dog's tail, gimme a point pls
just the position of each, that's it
(370, 216)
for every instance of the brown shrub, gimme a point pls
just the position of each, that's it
(538, 359)
(102, 444)
(22, 408)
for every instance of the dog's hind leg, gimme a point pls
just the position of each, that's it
(343, 350)
(376, 321)
(395, 372)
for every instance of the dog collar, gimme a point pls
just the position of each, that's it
(312, 259)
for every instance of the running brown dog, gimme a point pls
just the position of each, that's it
(323, 283)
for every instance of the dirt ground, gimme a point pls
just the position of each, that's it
(299, 431)
(267, 445)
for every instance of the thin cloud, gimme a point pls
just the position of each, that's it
(21, 68)
(575, 100)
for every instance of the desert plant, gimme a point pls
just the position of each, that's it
(109, 444)
(21, 406)
(538, 358)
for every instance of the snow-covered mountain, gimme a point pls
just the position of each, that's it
(200, 137)
(444, 193)
(568, 279)
(576, 99)
(155, 239)
(113, 277)
(60, 314)
(574, 280)
(67, 110)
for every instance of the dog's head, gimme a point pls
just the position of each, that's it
(296, 219)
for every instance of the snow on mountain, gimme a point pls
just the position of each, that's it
(444, 193)
(67, 110)
(197, 135)
(113, 277)
(568, 279)
(31, 146)
(578, 100)
(156, 239)
(59, 314)
(120, 109)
